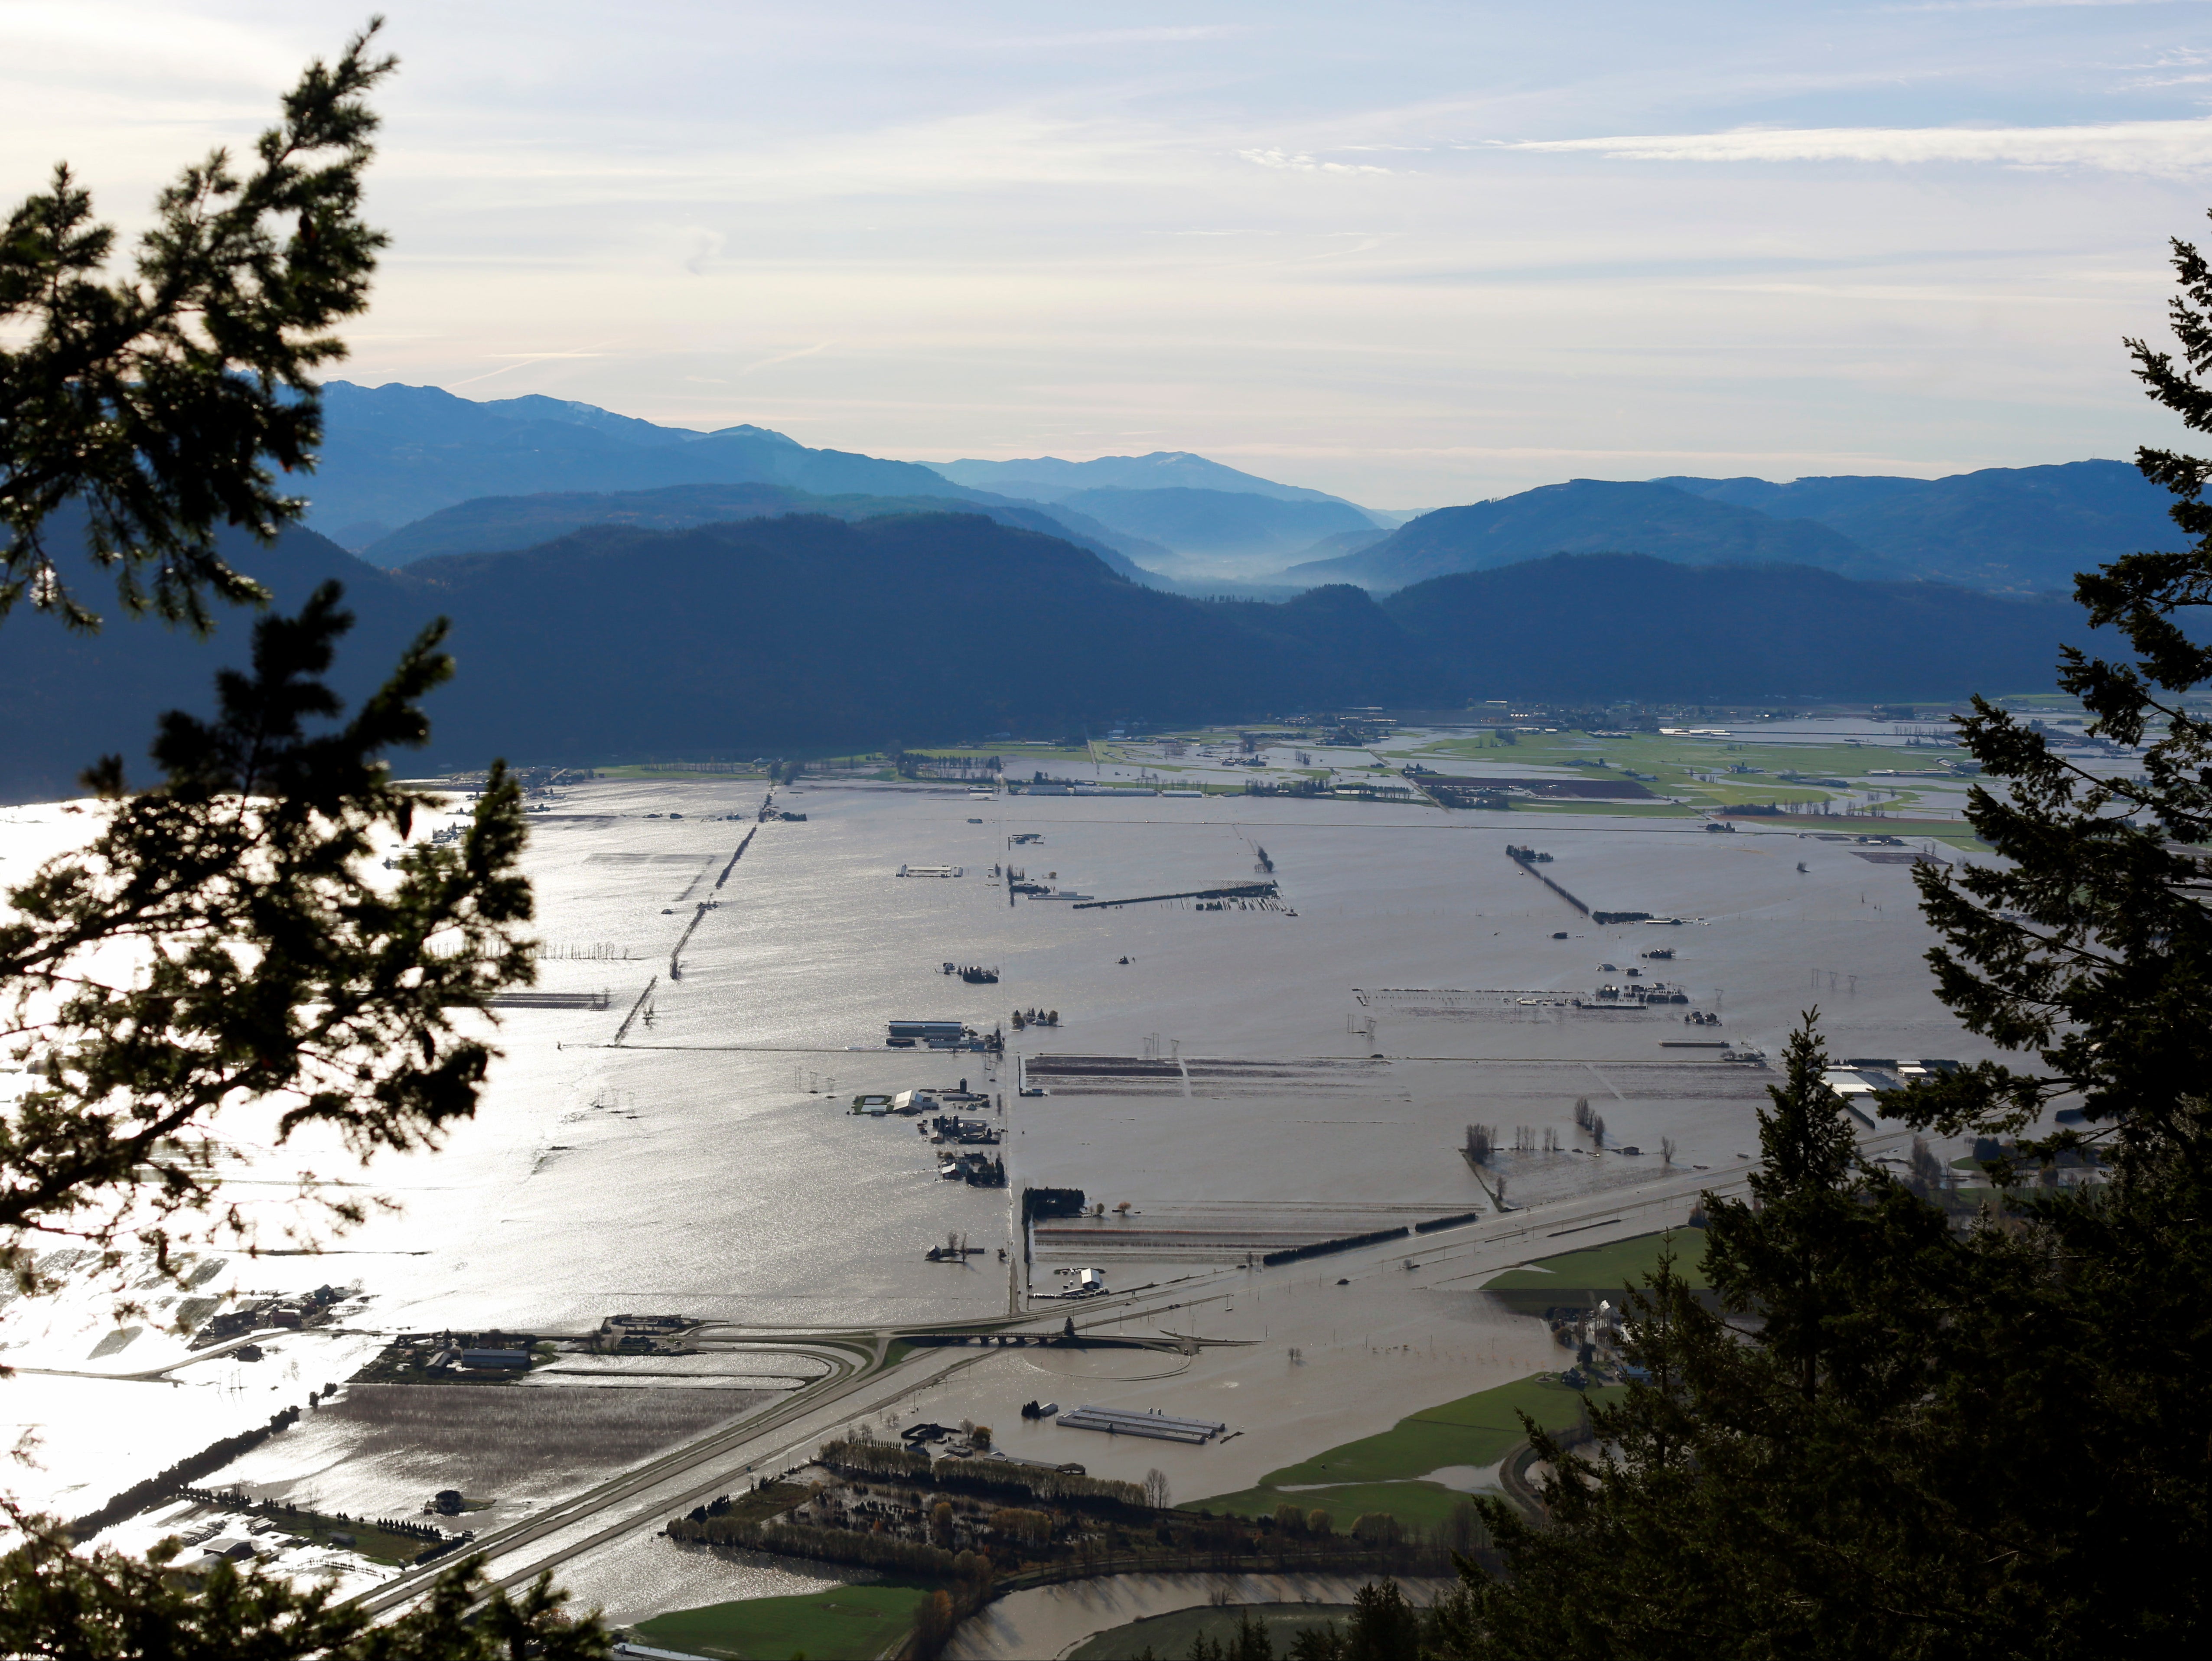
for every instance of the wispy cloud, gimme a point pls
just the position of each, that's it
(2026, 5)
(522, 361)
(786, 357)
(1299, 161)
(1158, 34)
(2169, 149)
(2174, 66)
(967, 153)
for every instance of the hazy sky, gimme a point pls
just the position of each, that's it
(1412, 252)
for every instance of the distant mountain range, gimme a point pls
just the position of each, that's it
(1047, 478)
(620, 588)
(401, 466)
(811, 632)
(491, 524)
(392, 454)
(396, 456)
(2019, 530)
(1218, 523)
(1589, 515)
(2003, 527)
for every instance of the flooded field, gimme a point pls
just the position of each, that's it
(1223, 1080)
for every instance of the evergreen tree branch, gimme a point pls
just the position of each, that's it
(222, 939)
(160, 401)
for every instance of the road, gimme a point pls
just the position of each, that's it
(860, 1383)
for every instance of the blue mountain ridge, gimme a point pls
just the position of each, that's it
(1047, 478)
(797, 634)
(2015, 530)
(395, 456)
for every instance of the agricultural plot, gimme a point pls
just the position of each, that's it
(383, 1449)
(1700, 773)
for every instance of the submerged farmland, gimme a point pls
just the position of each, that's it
(1242, 1181)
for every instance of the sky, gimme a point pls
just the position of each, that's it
(1413, 253)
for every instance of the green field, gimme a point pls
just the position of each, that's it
(1384, 1473)
(1608, 1268)
(378, 1545)
(840, 1623)
(1172, 1636)
(1680, 766)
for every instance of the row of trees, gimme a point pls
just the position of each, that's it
(1384, 1625)
(869, 1551)
(969, 1476)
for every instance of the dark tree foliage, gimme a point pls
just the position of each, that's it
(154, 399)
(1772, 1490)
(226, 937)
(1384, 1626)
(59, 1605)
(2091, 948)
(1893, 1437)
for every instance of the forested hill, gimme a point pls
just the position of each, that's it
(500, 524)
(393, 453)
(66, 700)
(1612, 626)
(802, 633)
(2014, 530)
(1590, 515)
(2001, 527)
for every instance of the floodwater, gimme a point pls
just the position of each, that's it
(1050, 1620)
(1275, 1074)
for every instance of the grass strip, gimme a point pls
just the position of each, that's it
(1387, 1472)
(1609, 1269)
(837, 1623)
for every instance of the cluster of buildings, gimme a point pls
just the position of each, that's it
(1595, 1339)
(281, 1314)
(910, 1103)
(940, 1034)
(947, 1128)
(645, 1335)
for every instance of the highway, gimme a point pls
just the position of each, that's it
(860, 1383)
